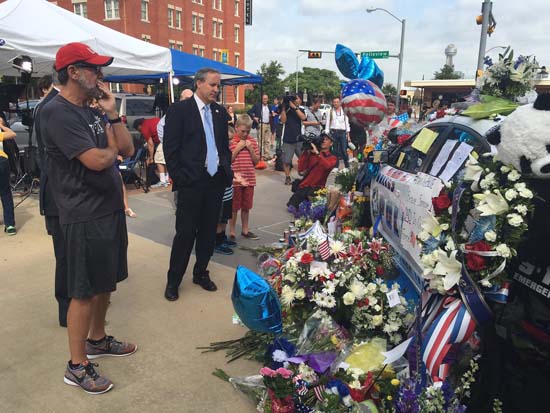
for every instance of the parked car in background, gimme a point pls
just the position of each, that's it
(131, 107)
(401, 194)
(325, 108)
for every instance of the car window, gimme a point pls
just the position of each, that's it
(118, 103)
(140, 107)
(410, 159)
(473, 139)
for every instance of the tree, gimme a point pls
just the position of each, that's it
(272, 85)
(318, 82)
(446, 72)
(389, 90)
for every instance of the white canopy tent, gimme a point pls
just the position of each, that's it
(37, 28)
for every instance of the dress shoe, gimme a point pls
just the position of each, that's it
(204, 281)
(171, 293)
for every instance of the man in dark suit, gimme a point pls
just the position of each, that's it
(48, 208)
(262, 118)
(196, 149)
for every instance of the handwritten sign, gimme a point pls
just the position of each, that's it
(459, 156)
(424, 140)
(442, 157)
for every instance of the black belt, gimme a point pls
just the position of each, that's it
(337, 130)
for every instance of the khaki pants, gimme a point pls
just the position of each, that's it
(264, 139)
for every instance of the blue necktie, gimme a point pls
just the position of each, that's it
(211, 150)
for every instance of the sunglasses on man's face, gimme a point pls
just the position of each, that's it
(95, 69)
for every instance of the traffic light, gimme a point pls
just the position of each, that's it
(314, 55)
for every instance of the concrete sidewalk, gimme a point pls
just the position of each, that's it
(167, 374)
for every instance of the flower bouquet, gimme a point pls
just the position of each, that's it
(280, 389)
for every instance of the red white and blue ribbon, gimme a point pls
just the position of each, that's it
(498, 295)
(454, 325)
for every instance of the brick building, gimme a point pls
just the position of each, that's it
(213, 29)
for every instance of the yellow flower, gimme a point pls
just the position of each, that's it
(389, 397)
(334, 340)
(395, 382)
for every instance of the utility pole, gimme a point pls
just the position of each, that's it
(486, 8)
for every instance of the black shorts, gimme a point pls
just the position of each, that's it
(226, 211)
(96, 255)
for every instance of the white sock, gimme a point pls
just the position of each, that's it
(163, 177)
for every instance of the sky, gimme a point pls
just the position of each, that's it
(280, 28)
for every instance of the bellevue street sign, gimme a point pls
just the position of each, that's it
(377, 55)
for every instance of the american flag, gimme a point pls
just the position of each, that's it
(324, 249)
(319, 392)
(404, 117)
(363, 102)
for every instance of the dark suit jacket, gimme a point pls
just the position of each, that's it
(47, 204)
(256, 111)
(184, 142)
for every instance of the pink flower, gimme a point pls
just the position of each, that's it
(267, 372)
(285, 373)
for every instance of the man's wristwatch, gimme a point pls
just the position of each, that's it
(115, 120)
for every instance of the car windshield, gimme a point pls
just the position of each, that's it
(140, 107)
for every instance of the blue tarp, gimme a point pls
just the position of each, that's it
(185, 65)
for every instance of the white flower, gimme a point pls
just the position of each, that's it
(510, 194)
(348, 298)
(503, 250)
(300, 294)
(449, 267)
(337, 247)
(522, 209)
(384, 288)
(377, 308)
(279, 356)
(490, 236)
(428, 260)
(372, 300)
(371, 288)
(444, 227)
(491, 204)
(331, 302)
(514, 175)
(450, 245)
(504, 169)
(526, 193)
(330, 287)
(290, 277)
(377, 320)
(473, 170)
(287, 295)
(355, 384)
(358, 289)
(520, 186)
(514, 220)
(486, 283)
(431, 225)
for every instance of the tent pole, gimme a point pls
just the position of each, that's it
(171, 86)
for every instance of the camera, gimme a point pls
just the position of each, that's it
(287, 99)
(309, 139)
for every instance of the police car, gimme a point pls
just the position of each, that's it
(401, 194)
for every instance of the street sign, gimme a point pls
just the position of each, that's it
(314, 55)
(224, 54)
(247, 13)
(377, 55)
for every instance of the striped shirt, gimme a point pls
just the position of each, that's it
(243, 164)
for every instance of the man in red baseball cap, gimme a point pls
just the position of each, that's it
(81, 148)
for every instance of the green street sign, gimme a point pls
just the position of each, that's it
(377, 55)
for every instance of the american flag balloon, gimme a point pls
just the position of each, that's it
(363, 102)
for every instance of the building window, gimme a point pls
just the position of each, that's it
(197, 1)
(237, 59)
(171, 44)
(237, 7)
(145, 10)
(179, 46)
(194, 19)
(214, 28)
(201, 51)
(195, 50)
(217, 5)
(81, 8)
(237, 31)
(201, 24)
(215, 55)
(115, 87)
(178, 18)
(111, 9)
(146, 38)
(170, 16)
(220, 30)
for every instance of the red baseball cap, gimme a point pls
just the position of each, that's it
(79, 53)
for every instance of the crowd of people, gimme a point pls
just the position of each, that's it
(203, 149)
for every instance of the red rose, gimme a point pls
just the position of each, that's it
(331, 276)
(476, 262)
(374, 256)
(306, 258)
(322, 278)
(441, 203)
(379, 270)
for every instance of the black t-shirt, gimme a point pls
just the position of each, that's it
(293, 126)
(81, 194)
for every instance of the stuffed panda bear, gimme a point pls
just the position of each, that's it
(515, 365)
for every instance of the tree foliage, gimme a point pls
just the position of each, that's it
(446, 72)
(272, 85)
(318, 82)
(389, 90)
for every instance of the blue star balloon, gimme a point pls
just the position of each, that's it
(349, 66)
(256, 303)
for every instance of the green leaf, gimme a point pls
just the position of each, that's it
(490, 106)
